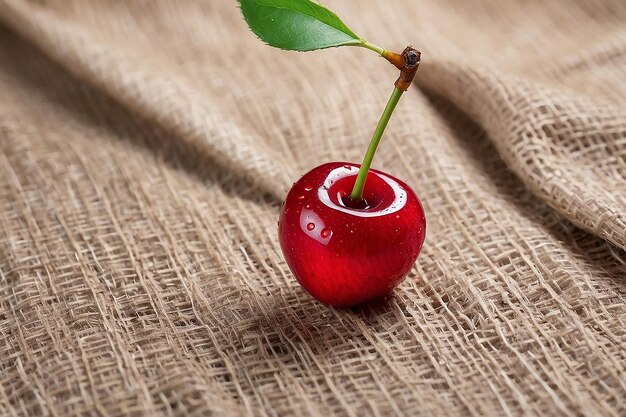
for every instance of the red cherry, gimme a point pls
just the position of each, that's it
(344, 253)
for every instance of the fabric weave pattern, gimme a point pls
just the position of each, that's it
(145, 148)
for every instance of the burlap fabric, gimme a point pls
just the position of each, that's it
(145, 148)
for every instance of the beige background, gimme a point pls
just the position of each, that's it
(145, 148)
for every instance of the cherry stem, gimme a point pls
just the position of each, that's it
(357, 191)
(407, 62)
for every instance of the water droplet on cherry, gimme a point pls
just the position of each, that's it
(326, 232)
(310, 226)
(307, 206)
(300, 197)
(308, 188)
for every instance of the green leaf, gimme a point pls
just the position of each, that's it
(298, 25)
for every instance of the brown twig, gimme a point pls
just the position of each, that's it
(407, 62)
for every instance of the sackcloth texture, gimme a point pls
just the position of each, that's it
(145, 149)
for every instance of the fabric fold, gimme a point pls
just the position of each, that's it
(162, 97)
(567, 149)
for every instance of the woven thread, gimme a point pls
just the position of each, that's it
(141, 173)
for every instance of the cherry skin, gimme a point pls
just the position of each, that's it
(345, 253)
